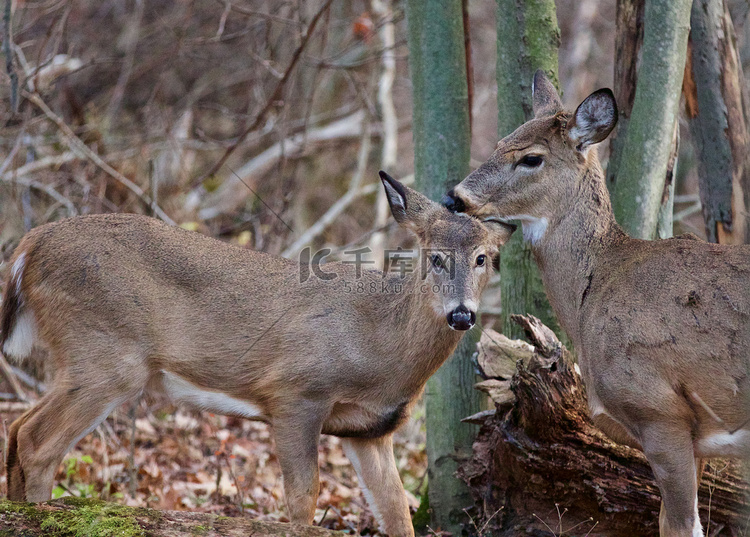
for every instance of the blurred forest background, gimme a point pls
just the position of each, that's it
(261, 123)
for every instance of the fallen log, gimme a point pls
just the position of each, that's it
(69, 517)
(540, 467)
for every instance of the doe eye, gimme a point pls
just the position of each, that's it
(437, 262)
(481, 260)
(530, 161)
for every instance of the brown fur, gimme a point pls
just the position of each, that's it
(124, 301)
(660, 327)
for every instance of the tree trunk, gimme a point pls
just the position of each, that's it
(71, 517)
(640, 178)
(541, 468)
(527, 40)
(716, 108)
(441, 145)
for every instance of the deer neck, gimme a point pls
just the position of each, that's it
(568, 253)
(425, 340)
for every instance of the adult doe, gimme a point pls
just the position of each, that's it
(125, 303)
(662, 328)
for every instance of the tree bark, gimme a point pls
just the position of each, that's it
(442, 139)
(71, 517)
(527, 40)
(638, 178)
(540, 467)
(717, 111)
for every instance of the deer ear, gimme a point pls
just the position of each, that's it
(545, 100)
(408, 206)
(500, 231)
(594, 119)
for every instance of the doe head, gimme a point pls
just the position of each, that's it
(456, 251)
(539, 167)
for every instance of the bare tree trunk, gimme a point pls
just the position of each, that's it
(540, 467)
(93, 518)
(645, 146)
(717, 109)
(442, 138)
(527, 40)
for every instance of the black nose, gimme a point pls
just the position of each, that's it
(452, 203)
(461, 318)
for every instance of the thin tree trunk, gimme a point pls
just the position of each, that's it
(442, 139)
(527, 40)
(639, 179)
(718, 117)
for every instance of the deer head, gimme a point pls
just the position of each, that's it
(541, 164)
(456, 254)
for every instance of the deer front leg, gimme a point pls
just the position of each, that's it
(378, 476)
(297, 450)
(669, 450)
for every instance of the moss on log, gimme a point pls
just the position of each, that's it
(76, 517)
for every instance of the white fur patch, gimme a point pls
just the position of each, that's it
(351, 454)
(697, 528)
(22, 336)
(16, 271)
(182, 391)
(534, 227)
(724, 444)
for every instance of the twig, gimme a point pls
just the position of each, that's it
(51, 192)
(390, 120)
(275, 96)
(10, 376)
(76, 144)
(337, 208)
(9, 59)
(133, 30)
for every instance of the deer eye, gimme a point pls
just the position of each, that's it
(481, 259)
(530, 161)
(437, 262)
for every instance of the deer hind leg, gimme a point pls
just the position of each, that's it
(376, 469)
(669, 450)
(67, 413)
(15, 476)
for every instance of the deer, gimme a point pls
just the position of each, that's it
(127, 305)
(661, 328)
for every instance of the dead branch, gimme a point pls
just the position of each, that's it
(77, 145)
(337, 208)
(275, 96)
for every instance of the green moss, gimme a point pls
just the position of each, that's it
(89, 518)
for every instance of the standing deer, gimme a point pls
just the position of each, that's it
(662, 328)
(126, 304)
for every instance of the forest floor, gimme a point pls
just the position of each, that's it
(202, 462)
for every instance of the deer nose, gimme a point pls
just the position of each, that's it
(452, 203)
(461, 318)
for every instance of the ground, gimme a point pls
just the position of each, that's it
(202, 462)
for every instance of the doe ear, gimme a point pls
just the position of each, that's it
(594, 119)
(409, 207)
(500, 231)
(545, 99)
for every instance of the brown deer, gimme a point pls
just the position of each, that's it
(126, 304)
(661, 328)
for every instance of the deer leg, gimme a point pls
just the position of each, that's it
(14, 471)
(43, 438)
(297, 450)
(669, 450)
(378, 476)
